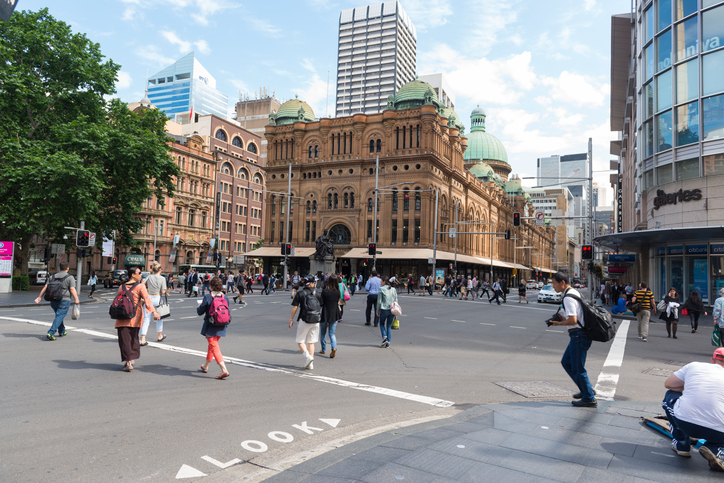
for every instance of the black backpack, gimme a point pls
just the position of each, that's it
(312, 307)
(600, 326)
(54, 291)
(123, 307)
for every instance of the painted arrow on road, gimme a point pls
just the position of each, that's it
(187, 471)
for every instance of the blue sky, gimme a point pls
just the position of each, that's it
(540, 69)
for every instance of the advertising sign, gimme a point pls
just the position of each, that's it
(622, 258)
(6, 258)
(700, 278)
(696, 249)
(717, 249)
(440, 274)
(676, 250)
(619, 205)
(617, 269)
(661, 251)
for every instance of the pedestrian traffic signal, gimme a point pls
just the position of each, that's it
(507, 234)
(587, 252)
(516, 219)
(287, 248)
(82, 238)
(46, 254)
(372, 248)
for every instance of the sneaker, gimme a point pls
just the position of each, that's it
(384, 341)
(387, 344)
(644, 339)
(50, 337)
(585, 404)
(685, 454)
(333, 353)
(578, 395)
(322, 352)
(716, 462)
(65, 332)
(311, 366)
(308, 358)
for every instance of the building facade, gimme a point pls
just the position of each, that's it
(421, 167)
(442, 88)
(377, 54)
(253, 115)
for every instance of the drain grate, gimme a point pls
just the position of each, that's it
(535, 389)
(676, 363)
(658, 371)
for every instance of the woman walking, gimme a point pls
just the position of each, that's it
(521, 292)
(718, 312)
(213, 332)
(384, 300)
(128, 328)
(156, 286)
(342, 301)
(671, 313)
(92, 281)
(331, 314)
(695, 306)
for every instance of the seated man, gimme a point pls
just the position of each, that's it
(694, 405)
(620, 307)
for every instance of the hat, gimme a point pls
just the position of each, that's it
(718, 354)
(309, 279)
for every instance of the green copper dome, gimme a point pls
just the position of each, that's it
(481, 145)
(446, 112)
(415, 94)
(289, 112)
(482, 171)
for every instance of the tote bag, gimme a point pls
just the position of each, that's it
(395, 309)
(164, 309)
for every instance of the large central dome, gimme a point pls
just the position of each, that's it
(294, 110)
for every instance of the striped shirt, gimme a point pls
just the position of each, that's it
(646, 297)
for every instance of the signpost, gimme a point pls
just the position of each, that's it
(7, 251)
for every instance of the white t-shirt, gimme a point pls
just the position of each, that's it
(572, 307)
(702, 401)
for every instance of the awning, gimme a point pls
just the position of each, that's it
(276, 251)
(633, 240)
(426, 254)
(134, 261)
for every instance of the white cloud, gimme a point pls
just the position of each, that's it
(589, 4)
(427, 14)
(241, 86)
(185, 46)
(263, 26)
(314, 93)
(199, 10)
(307, 64)
(489, 19)
(153, 56)
(124, 80)
(565, 119)
(576, 89)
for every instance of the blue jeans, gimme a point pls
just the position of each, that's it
(386, 319)
(323, 334)
(61, 310)
(204, 288)
(682, 430)
(574, 362)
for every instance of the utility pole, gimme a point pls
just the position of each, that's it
(434, 241)
(590, 214)
(155, 234)
(286, 228)
(79, 266)
(456, 239)
(374, 215)
(492, 229)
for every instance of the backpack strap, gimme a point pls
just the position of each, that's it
(576, 298)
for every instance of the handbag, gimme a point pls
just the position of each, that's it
(346, 295)
(395, 324)
(164, 309)
(716, 337)
(684, 311)
(395, 309)
(662, 305)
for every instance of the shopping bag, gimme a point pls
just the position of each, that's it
(716, 337)
(75, 312)
(684, 311)
(662, 305)
(395, 324)
(164, 309)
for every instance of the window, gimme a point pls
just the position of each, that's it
(258, 179)
(663, 174)
(220, 135)
(648, 59)
(713, 118)
(712, 28)
(684, 8)
(687, 81)
(649, 103)
(663, 47)
(686, 169)
(687, 124)
(663, 14)
(648, 24)
(310, 152)
(713, 164)
(418, 200)
(417, 230)
(272, 232)
(713, 72)
(273, 204)
(336, 201)
(394, 200)
(369, 231)
(306, 231)
(379, 145)
(369, 205)
(686, 39)
(405, 230)
(178, 216)
(203, 219)
(309, 207)
(663, 132)
(243, 174)
(406, 200)
(372, 145)
(192, 213)
(253, 149)
(648, 133)
(394, 230)
(316, 151)
(340, 235)
(314, 230)
(237, 142)
(663, 91)
(418, 136)
(351, 201)
(346, 201)
(329, 201)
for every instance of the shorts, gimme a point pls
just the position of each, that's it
(307, 333)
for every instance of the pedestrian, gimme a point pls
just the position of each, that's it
(64, 285)
(240, 280)
(92, 281)
(386, 297)
(213, 332)
(192, 283)
(205, 284)
(128, 329)
(646, 298)
(307, 329)
(249, 283)
(602, 293)
(496, 292)
(574, 358)
(230, 283)
(156, 286)
(504, 290)
(352, 284)
(484, 289)
(671, 313)
(360, 279)
(296, 280)
(422, 286)
(342, 302)
(373, 288)
(170, 283)
(429, 284)
(410, 284)
(693, 404)
(521, 292)
(718, 313)
(265, 283)
(473, 287)
(608, 293)
(331, 314)
(629, 291)
(272, 284)
(695, 306)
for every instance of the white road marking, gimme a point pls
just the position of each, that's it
(331, 422)
(187, 471)
(516, 327)
(483, 323)
(431, 318)
(218, 463)
(356, 310)
(191, 317)
(608, 378)
(457, 321)
(551, 330)
(268, 367)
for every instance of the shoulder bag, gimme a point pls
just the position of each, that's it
(662, 305)
(164, 309)
(395, 309)
(716, 337)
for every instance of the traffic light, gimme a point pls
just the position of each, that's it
(46, 254)
(114, 260)
(516, 219)
(288, 248)
(110, 260)
(82, 238)
(507, 234)
(587, 252)
(372, 249)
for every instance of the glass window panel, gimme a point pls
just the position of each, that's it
(684, 8)
(709, 3)
(686, 39)
(648, 24)
(713, 164)
(713, 108)
(686, 169)
(713, 72)
(648, 139)
(663, 49)
(664, 132)
(687, 81)
(648, 179)
(663, 15)
(712, 28)
(649, 105)
(648, 62)
(663, 174)
(663, 91)
(687, 124)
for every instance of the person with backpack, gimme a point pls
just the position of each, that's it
(240, 280)
(126, 309)
(217, 316)
(58, 290)
(309, 304)
(574, 358)
(331, 314)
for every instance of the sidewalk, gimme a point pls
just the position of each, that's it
(27, 299)
(525, 441)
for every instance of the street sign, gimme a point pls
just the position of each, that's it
(57, 248)
(6, 258)
(238, 259)
(429, 261)
(453, 232)
(92, 240)
(539, 215)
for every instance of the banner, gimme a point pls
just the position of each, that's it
(6, 257)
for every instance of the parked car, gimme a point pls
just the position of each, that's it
(114, 278)
(540, 285)
(41, 277)
(548, 294)
(531, 284)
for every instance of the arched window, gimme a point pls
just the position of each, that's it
(190, 258)
(258, 179)
(309, 207)
(273, 204)
(314, 206)
(220, 135)
(336, 201)
(346, 201)
(253, 150)
(237, 142)
(394, 200)
(243, 174)
(316, 151)
(379, 145)
(418, 135)
(418, 199)
(329, 201)
(397, 138)
(372, 145)
(406, 201)
(404, 136)
(227, 168)
(310, 152)
(351, 201)
(340, 235)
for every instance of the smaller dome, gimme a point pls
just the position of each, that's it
(414, 94)
(289, 112)
(446, 112)
(146, 102)
(482, 171)
(478, 111)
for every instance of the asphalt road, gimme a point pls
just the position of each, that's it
(71, 414)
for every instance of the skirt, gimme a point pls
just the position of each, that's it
(128, 343)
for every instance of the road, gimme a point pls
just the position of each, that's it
(71, 414)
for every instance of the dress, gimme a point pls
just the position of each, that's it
(331, 314)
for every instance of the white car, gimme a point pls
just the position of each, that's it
(548, 294)
(531, 284)
(540, 285)
(41, 277)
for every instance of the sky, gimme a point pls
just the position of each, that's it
(540, 69)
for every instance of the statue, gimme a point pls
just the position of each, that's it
(273, 118)
(429, 96)
(390, 101)
(300, 114)
(325, 247)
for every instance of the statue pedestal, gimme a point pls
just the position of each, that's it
(325, 266)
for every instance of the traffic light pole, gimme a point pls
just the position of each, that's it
(590, 214)
(286, 228)
(434, 241)
(79, 266)
(374, 215)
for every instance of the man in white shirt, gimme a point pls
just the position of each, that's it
(497, 290)
(694, 405)
(574, 359)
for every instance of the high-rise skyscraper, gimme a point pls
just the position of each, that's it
(377, 55)
(185, 87)
(569, 171)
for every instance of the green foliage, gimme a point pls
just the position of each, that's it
(21, 283)
(68, 154)
(259, 243)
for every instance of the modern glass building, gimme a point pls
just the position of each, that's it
(186, 86)
(667, 104)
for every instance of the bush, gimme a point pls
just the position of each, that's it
(21, 283)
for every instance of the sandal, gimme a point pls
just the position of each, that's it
(162, 338)
(203, 370)
(127, 368)
(223, 376)
(144, 344)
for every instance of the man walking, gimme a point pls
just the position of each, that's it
(296, 280)
(307, 333)
(496, 292)
(373, 289)
(646, 297)
(574, 359)
(504, 290)
(265, 282)
(193, 281)
(421, 286)
(60, 307)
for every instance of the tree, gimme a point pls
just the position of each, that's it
(68, 154)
